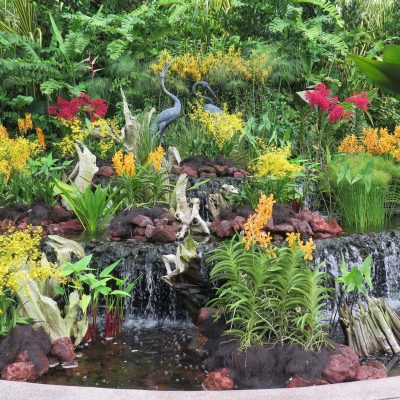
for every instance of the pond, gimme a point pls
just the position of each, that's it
(147, 357)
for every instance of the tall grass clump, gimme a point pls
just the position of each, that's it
(366, 188)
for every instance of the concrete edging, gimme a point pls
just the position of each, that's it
(381, 389)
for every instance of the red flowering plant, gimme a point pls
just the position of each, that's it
(80, 107)
(329, 114)
(76, 119)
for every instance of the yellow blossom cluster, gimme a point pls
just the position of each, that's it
(14, 153)
(25, 124)
(198, 66)
(156, 157)
(221, 126)
(373, 141)
(254, 232)
(308, 247)
(124, 164)
(275, 162)
(77, 132)
(107, 129)
(20, 257)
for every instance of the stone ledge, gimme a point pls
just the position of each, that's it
(381, 389)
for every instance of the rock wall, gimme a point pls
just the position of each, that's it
(154, 299)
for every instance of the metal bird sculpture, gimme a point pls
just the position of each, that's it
(165, 117)
(209, 106)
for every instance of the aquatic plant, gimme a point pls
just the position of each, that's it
(94, 209)
(365, 187)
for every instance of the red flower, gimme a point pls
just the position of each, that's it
(93, 109)
(360, 100)
(319, 97)
(336, 114)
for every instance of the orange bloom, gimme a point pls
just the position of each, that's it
(41, 138)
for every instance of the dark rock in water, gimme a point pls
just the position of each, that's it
(205, 313)
(367, 372)
(219, 380)
(67, 228)
(63, 350)
(342, 366)
(22, 371)
(25, 345)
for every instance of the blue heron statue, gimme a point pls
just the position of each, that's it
(165, 117)
(213, 109)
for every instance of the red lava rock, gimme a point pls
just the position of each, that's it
(320, 224)
(139, 238)
(141, 221)
(300, 381)
(71, 227)
(161, 221)
(207, 175)
(366, 373)
(238, 223)
(341, 366)
(277, 237)
(305, 215)
(176, 169)
(190, 172)
(218, 380)
(231, 171)
(139, 231)
(239, 174)
(376, 364)
(41, 361)
(22, 226)
(169, 217)
(223, 229)
(269, 227)
(305, 229)
(320, 235)
(206, 169)
(221, 170)
(164, 234)
(283, 228)
(5, 224)
(63, 349)
(105, 171)
(21, 371)
(149, 231)
(60, 214)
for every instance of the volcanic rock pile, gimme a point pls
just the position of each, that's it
(156, 225)
(284, 220)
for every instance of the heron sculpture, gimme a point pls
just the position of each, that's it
(210, 105)
(165, 117)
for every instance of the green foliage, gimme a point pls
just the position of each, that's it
(355, 279)
(94, 209)
(9, 315)
(36, 183)
(146, 188)
(269, 299)
(366, 189)
(385, 73)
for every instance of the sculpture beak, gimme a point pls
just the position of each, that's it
(212, 92)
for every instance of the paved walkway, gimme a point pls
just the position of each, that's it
(382, 389)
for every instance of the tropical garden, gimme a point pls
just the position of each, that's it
(222, 172)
